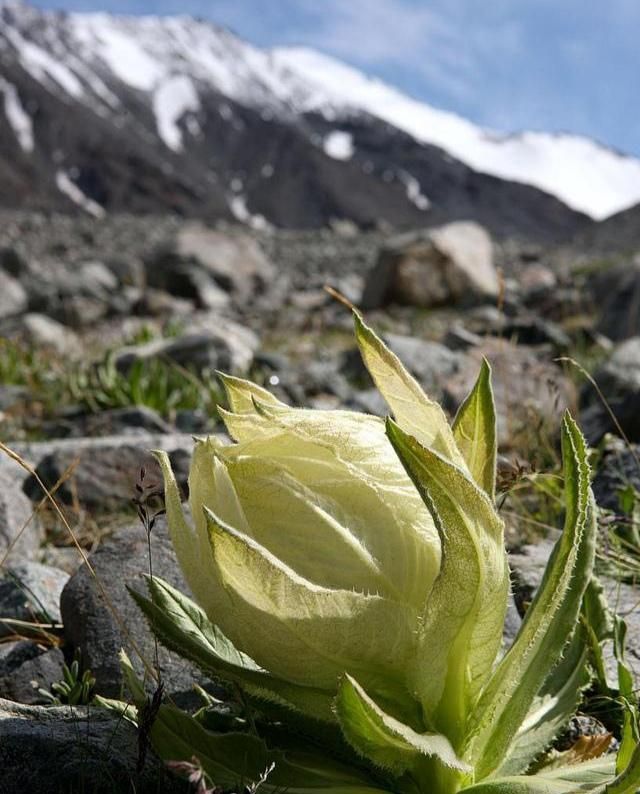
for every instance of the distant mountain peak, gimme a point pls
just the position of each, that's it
(189, 104)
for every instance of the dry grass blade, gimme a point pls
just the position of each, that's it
(65, 476)
(337, 295)
(605, 402)
(43, 633)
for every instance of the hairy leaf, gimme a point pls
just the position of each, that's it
(183, 627)
(591, 776)
(235, 760)
(304, 633)
(345, 460)
(628, 781)
(549, 620)
(561, 692)
(384, 740)
(241, 393)
(474, 430)
(414, 412)
(551, 710)
(465, 612)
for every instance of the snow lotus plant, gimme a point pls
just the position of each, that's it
(351, 584)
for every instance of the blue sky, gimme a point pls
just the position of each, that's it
(558, 65)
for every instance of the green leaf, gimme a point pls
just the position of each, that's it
(628, 781)
(589, 776)
(551, 710)
(629, 740)
(241, 393)
(118, 708)
(384, 740)
(465, 612)
(306, 633)
(474, 430)
(182, 626)
(560, 696)
(235, 760)
(598, 626)
(416, 414)
(550, 619)
(231, 760)
(191, 543)
(131, 679)
(626, 686)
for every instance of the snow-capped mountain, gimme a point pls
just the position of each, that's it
(155, 114)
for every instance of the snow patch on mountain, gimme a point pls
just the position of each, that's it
(240, 211)
(94, 82)
(67, 186)
(118, 47)
(339, 145)
(171, 100)
(17, 116)
(579, 171)
(41, 65)
(174, 62)
(414, 191)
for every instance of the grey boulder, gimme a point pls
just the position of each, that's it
(30, 591)
(20, 533)
(619, 380)
(60, 750)
(450, 264)
(100, 617)
(223, 346)
(25, 668)
(103, 471)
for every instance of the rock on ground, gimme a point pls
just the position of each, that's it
(106, 468)
(88, 614)
(43, 332)
(616, 294)
(224, 345)
(528, 565)
(61, 750)
(133, 420)
(235, 261)
(449, 264)
(617, 468)
(26, 667)
(19, 527)
(211, 268)
(619, 381)
(30, 592)
(13, 296)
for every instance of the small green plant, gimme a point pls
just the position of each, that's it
(18, 365)
(40, 373)
(352, 586)
(158, 384)
(51, 383)
(75, 688)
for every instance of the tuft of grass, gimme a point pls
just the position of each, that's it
(159, 384)
(52, 385)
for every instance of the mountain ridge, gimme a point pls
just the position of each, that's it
(106, 113)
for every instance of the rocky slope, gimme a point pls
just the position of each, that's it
(109, 332)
